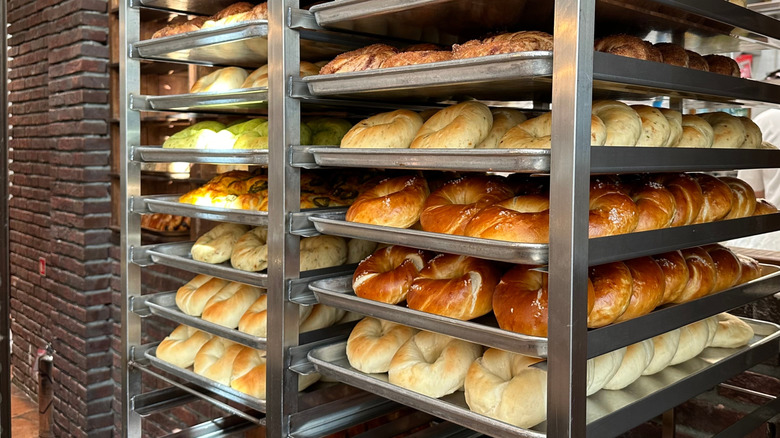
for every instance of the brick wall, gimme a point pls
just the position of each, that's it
(60, 205)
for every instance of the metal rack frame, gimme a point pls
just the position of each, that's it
(5, 280)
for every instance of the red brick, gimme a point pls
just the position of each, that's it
(90, 50)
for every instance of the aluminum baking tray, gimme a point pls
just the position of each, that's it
(338, 292)
(164, 305)
(218, 388)
(603, 159)
(600, 250)
(608, 412)
(243, 101)
(169, 204)
(156, 154)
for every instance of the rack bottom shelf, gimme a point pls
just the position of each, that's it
(608, 412)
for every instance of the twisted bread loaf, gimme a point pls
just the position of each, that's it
(215, 360)
(676, 274)
(216, 245)
(612, 285)
(193, 296)
(180, 347)
(229, 304)
(727, 267)
(647, 289)
(701, 279)
(717, 198)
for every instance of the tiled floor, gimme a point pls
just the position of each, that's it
(24, 415)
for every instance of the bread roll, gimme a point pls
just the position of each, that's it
(612, 285)
(696, 61)
(255, 320)
(394, 130)
(696, 133)
(250, 252)
(688, 197)
(504, 119)
(701, 270)
(216, 245)
(750, 269)
(664, 348)
(373, 343)
(722, 65)
(675, 126)
(604, 369)
(676, 274)
(224, 79)
(727, 267)
(321, 316)
(365, 58)
(655, 126)
(743, 198)
(729, 131)
(638, 356)
(732, 332)
(629, 46)
(193, 296)
(717, 198)
(229, 304)
(215, 360)
(180, 347)
(624, 126)
(394, 202)
(358, 249)
(322, 252)
(647, 290)
(693, 340)
(655, 203)
(673, 54)
(461, 126)
(388, 273)
(753, 135)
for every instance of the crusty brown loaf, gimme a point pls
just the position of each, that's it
(629, 46)
(696, 61)
(417, 57)
(365, 58)
(673, 54)
(524, 41)
(722, 65)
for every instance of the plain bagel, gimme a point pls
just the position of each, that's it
(655, 126)
(373, 343)
(224, 79)
(536, 133)
(729, 131)
(461, 126)
(504, 119)
(394, 130)
(624, 127)
(216, 245)
(696, 133)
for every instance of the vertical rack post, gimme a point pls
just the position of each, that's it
(284, 198)
(569, 193)
(5, 277)
(130, 224)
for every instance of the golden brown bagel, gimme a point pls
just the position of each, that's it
(717, 198)
(387, 274)
(727, 267)
(394, 202)
(743, 198)
(519, 219)
(676, 274)
(611, 211)
(688, 197)
(395, 129)
(450, 208)
(461, 126)
(612, 293)
(647, 289)
(455, 286)
(701, 271)
(656, 205)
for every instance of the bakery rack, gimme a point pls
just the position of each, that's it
(569, 81)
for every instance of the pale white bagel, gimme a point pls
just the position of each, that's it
(503, 386)
(224, 79)
(373, 343)
(603, 369)
(655, 126)
(675, 125)
(636, 359)
(732, 332)
(321, 316)
(665, 347)
(729, 132)
(350, 316)
(180, 347)
(693, 340)
(461, 126)
(358, 249)
(432, 364)
(322, 252)
(395, 129)
(753, 135)
(229, 304)
(535, 133)
(255, 320)
(249, 374)
(215, 360)
(250, 252)
(624, 127)
(504, 119)
(193, 296)
(696, 133)
(216, 245)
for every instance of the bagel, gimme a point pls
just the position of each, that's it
(696, 61)
(722, 65)
(520, 301)
(224, 79)
(373, 343)
(365, 58)
(604, 369)
(322, 251)
(688, 197)
(432, 364)
(259, 77)
(676, 274)
(358, 249)
(694, 338)
(321, 316)
(504, 119)
(612, 291)
(387, 274)
(624, 127)
(664, 348)
(611, 211)
(743, 198)
(416, 57)
(728, 269)
(675, 126)
(215, 360)
(520, 219)
(228, 305)
(647, 288)
(638, 356)
(250, 252)
(455, 286)
(673, 54)
(749, 270)
(655, 126)
(696, 133)
(753, 135)
(255, 320)
(461, 126)
(629, 46)
(536, 133)
(394, 202)
(717, 198)
(655, 204)
(191, 297)
(180, 347)
(249, 374)
(395, 130)
(216, 245)
(729, 131)
(450, 208)
(503, 386)
(701, 275)
(732, 332)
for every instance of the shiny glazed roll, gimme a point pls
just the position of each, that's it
(461, 126)
(717, 198)
(701, 274)
(676, 274)
(647, 289)
(373, 343)
(764, 207)
(388, 273)
(612, 284)
(394, 202)
(688, 197)
(750, 269)
(727, 267)
(520, 301)
(455, 286)
(450, 208)
(395, 130)
(519, 219)
(743, 198)
(656, 205)
(611, 211)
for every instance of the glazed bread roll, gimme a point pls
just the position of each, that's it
(688, 197)
(717, 198)
(728, 269)
(250, 252)
(732, 332)
(655, 126)
(675, 126)
(764, 207)
(504, 119)
(224, 79)
(215, 360)
(611, 211)
(749, 270)
(216, 245)
(647, 290)
(322, 252)
(396, 130)
(673, 54)
(387, 274)
(373, 343)
(365, 58)
(664, 348)
(612, 289)
(255, 320)
(676, 274)
(729, 131)
(753, 135)
(536, 133)
(394, 202)
(624, 126)
(358, 249)
(655, 204)
(722, 65)
(743, 198)
(638, 356)
(461, 126)
(455, 286)
(229, 304)
(702, 274)
(696, 133)
(694, 338)
(450, 208)
(629, 46)
(193, 296)
(503, 386)
(321, 316)
(519, 219)
(180, 347)
(432, 364)
(520, 301)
